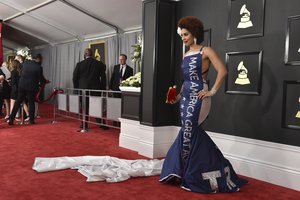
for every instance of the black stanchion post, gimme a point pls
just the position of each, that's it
(54, 108)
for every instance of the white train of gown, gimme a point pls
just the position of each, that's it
(107, 168)
(101, 168)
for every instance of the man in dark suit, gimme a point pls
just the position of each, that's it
(39, 59)
(90, 74)
(121, 72)
(30, 78)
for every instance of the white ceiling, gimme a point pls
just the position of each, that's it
(57, 21)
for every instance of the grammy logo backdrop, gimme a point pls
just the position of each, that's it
(99, 51)
(251, 105)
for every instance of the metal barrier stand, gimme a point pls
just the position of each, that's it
(102, 105)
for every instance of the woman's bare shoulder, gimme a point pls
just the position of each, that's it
(208, 49)
(209, 52)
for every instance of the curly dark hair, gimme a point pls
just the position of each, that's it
(193, 25)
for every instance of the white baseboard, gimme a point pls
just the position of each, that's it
(271, 162)
(129, 135)
(152, 142)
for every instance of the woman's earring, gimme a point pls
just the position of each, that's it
(195, 40)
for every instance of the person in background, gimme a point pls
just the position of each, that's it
(31, 75)
(4, 93)
(4, 71)
(90, 74)
(122, 71)
(15, 76)
(5, 89)
(39, 59)
(1, 95)
(21, 59)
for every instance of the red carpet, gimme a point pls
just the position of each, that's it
(19, 145)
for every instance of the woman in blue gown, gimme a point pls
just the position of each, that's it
(194, 159)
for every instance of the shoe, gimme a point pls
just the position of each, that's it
(82, 131)
(10, 122)
(6, 117)
(104, 127)
(31, 122)
(18, 120)
(27, 119)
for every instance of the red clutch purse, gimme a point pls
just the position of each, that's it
(172, 94)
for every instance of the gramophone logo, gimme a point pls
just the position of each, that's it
(97, 55)
(242, 78)
(298, 113)
(245, 21)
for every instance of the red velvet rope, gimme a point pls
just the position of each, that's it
(55, 92)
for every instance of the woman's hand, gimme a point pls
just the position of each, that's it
(176, 99)
(205, 93)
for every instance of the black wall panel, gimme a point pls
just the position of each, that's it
(158, 50)
(251, 116)
(149, 19)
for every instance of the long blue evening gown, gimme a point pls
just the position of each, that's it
(194, 158)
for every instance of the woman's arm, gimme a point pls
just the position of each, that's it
(221, 72)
